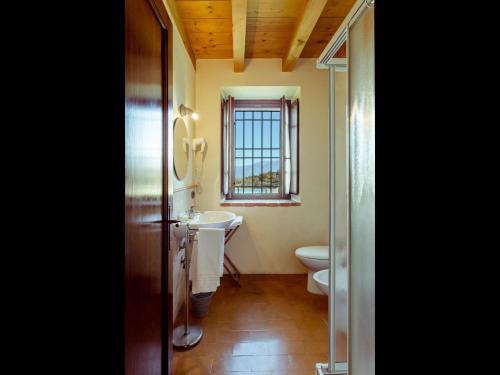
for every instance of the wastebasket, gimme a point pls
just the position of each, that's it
(200, 303)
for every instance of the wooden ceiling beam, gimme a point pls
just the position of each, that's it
(305, 25)
(180, 27)
(239, 15)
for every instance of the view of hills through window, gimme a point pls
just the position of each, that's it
(257, 148)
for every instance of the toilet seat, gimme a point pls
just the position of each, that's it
(313, 252)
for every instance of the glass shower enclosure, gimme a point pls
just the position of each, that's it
(352, 194)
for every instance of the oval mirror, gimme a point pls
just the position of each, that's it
(181, 148)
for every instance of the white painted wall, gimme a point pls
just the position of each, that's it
(267, 240)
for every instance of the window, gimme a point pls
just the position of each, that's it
(259, 149)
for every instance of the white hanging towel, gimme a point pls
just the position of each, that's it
(207, 260)
(236, 222)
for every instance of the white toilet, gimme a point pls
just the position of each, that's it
(315, 258)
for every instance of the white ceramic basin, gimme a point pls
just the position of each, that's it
(321, 278)
(212, 219)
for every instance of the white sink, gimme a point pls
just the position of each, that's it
(212, 219)
(321, 278)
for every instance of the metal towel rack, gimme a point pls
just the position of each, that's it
(186, 336)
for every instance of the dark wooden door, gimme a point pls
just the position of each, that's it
(147, 296)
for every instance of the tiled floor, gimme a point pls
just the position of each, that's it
(271, 325)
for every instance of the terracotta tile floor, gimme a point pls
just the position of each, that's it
(271, 325)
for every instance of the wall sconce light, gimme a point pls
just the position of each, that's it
(186, 111)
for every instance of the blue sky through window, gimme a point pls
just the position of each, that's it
(257, 140)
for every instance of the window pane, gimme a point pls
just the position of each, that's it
(257, 115)
(238, 171)
(275, 165)
(275, 175)
(247, 172)
(266, 153)
(276, 134)
(248, 134)
(238, 115)
(257, 153)
(266, 176)
(257, 169)
(266, 166)
(238, 153)
(276, 115)
(266, 130)
(248, 153)
(275, 153)
(248, 115)
(238, 134)
(257, 141)
(266, 115)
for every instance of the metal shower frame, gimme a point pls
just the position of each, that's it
(327, 61)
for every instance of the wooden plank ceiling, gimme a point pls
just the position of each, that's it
(286, 29)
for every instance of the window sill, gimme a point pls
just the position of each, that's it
(260, 202)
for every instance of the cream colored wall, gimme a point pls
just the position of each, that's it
(183, 93)
(267, 240)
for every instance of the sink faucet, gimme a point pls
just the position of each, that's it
(192, 212)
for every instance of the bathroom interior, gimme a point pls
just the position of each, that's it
(250, 187)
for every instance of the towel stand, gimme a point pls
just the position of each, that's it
(235, 273)
(186, 335)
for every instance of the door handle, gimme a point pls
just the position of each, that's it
(163, 221)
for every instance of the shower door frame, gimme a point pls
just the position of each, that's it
(336, 65)
(326, 60)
